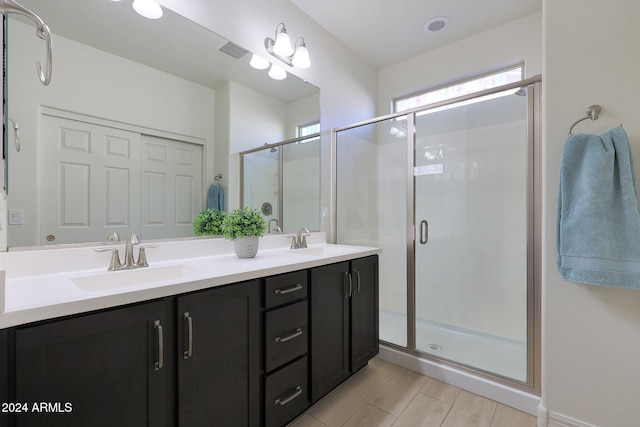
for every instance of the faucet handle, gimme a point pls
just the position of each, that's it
(142, 255)
(115, 263)
(294, 241)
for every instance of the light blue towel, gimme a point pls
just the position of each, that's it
(215, 197)
(598, 225)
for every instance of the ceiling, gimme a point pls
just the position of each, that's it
(384, 32)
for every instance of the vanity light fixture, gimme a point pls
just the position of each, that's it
(258, 62)
(148, 8)
(277, 73)
(296, 56)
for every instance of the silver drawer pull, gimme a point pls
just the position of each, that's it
(296, 333)
(160, 361)
(285, 291)
(295, 394)
(189, 352)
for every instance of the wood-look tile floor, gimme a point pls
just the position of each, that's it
(383, 394)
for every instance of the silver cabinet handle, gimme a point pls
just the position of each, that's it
(189, 352)
(289, 337)
(350, 293)
(424, 231)
(296, 393)
(357, 273)
(160, 363)
(285, 291)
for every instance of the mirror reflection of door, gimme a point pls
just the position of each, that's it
(100, 179)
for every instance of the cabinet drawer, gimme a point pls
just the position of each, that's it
(286, 334)
(285, 288)
(286, 395)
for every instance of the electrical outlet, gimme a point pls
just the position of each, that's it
(16, 217)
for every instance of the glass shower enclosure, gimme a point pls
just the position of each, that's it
(282, 181)
(448, 192)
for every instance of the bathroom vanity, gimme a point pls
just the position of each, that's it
(217, 341)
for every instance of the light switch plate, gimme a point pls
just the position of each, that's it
(16, 217)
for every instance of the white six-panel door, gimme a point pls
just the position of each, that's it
(171, 186)
(98, 179)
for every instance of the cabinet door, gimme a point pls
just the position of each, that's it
(4, 374)
(364, 311)
(330, 290)
(219, 356)
(107, 369)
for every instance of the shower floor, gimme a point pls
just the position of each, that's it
(490, 353)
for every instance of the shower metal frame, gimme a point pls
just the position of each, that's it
(533, 237)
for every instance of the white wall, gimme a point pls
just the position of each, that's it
(591, 335)
(128, 93)
(348, 86)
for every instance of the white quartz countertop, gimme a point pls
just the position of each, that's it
(62, 291)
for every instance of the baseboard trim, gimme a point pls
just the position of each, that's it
(502, 393)
(553, 419)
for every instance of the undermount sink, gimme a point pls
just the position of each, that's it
(324, 250)
(135, 277)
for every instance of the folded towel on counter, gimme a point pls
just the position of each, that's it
(598, 224)
(215, 197)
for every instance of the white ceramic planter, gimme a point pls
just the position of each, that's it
(246, 247)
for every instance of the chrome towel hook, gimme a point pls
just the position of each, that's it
(42, 31)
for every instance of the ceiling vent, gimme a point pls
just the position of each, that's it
(233, 50)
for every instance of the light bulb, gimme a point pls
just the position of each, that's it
(282, 46)
(301, 57)
(277, 73)
(148, 8)
(258, 62)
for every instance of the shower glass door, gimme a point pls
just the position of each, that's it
(470, 206)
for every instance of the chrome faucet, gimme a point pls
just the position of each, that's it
(275, 229)
(129, 261)
(128, 251)
(300, 241)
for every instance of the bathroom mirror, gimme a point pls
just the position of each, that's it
(137, 103)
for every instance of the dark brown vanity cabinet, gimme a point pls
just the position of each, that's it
(106, 369)
(192, 360)
(4, 376)
(344, 321)
(219, 356)
(254, 353)
(286, 343)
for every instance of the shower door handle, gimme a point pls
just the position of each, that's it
(424, 231)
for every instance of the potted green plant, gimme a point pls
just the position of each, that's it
(244, 227)
(208, 223)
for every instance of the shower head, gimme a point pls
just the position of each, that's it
(521, 92)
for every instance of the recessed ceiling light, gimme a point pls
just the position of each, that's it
(436, 24)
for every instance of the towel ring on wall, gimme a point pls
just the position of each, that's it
(592, 113)
(218, 177)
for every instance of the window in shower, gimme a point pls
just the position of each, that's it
(462, 87)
